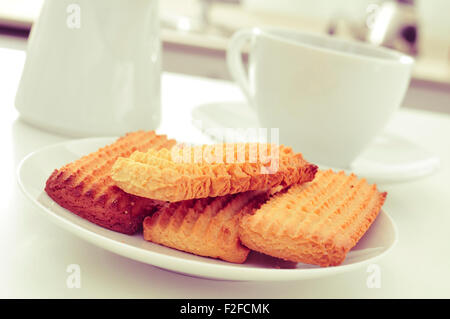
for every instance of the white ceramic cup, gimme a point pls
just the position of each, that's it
(328, 97)
(93, 68)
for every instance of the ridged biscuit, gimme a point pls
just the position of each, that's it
(210, 171)
(85, 187)
(206, 227)
(314, 223)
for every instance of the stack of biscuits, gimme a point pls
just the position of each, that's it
(220, 201)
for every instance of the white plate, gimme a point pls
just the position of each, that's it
(36, 167)
(389, 159)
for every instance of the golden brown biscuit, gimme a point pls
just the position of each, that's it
(210, 171)
(85, 187)
(314, 223)
(205, 227)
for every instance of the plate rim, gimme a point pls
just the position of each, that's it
(195, 268)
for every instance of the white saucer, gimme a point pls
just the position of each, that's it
(389, 159)
(36, 168)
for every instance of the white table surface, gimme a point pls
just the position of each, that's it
(35, 252)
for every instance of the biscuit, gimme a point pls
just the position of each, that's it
(210, 170)
(314, 223)
(85, 187)
(206, 227)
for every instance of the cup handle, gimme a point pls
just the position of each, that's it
(234, 61)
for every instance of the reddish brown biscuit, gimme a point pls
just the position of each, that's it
(314, 223)
(210, 171)
(206, 227)
(85, 187)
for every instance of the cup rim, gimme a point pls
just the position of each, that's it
(397, 57)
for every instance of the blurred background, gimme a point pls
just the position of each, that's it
(195, 33)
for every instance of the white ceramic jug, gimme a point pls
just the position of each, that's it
(93, 68)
